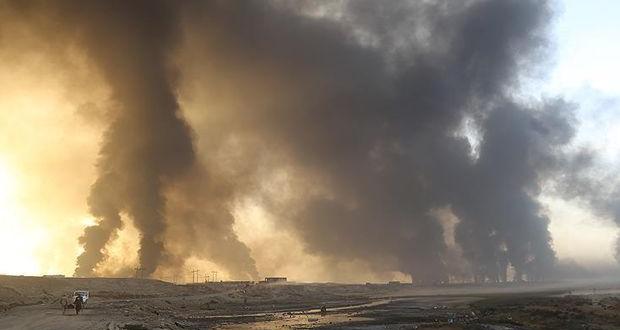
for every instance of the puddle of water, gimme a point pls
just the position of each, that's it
(310, 318)
(300, 319)
(296, 312)
(296, 321)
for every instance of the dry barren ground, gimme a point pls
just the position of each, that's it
(32, 303)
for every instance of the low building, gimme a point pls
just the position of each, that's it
(275, 279)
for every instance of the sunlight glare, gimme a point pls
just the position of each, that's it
(17, 242)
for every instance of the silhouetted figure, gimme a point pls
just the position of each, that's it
(78, 304)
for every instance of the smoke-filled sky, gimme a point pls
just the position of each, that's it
(342, 141)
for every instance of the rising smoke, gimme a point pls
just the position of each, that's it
(379, 112)
(147, 146)
(369, 106)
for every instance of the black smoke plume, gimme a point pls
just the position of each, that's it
(378, 112)
(367, 107)
(147, 143)
(148, 146)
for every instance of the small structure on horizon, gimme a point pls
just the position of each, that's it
(54, 276)
(275, 279)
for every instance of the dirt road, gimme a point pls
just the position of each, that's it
(51, 318)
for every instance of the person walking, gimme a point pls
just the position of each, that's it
(78, 304)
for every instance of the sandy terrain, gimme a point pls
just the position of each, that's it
(32, 303)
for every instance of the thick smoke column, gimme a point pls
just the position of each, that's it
(147, 143)
(147, 150)
(367, 108)
(501, 221)
(379, 113)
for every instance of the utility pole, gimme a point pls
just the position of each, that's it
(194, 275)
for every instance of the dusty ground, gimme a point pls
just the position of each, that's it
(32, 303)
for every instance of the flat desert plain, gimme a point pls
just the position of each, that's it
(120, 303)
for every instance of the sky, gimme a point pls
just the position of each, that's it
(51, 128)
(585, 72)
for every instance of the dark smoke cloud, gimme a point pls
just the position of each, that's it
(201, 212)
(147, 143)
(362, 106)
(147, 146)
(368, 108)
(498, 206)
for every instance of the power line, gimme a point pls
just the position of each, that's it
(194, 275)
